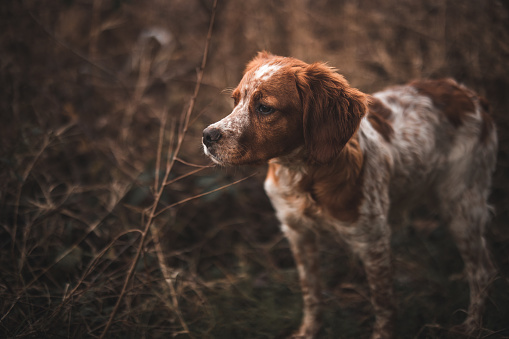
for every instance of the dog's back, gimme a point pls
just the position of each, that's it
(442, 142)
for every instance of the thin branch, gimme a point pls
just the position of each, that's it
(26, 173)
(91, 228)
(199, 79)
(203, 194)
(184, 175)
(167, 277)
(67, 298)
(159, 193)
(191, 164)
(159, 152)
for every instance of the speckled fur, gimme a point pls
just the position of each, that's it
(428, 139)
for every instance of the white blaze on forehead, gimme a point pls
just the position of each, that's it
(266, 71)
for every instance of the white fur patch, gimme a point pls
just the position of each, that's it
(264, 72)
(237, 121)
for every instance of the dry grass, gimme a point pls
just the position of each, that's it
(114, 225)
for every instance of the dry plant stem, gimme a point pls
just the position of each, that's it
(92, 227)
(46, 142)
(139, 90)
(26, 173)
(185, 175)
(154, 229)
(167, 278)
(159, 192)
(68, 297)
(160, 151)
(191, 164)
(204, 194)
(138, 253)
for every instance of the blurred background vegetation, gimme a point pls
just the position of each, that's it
(101, 111)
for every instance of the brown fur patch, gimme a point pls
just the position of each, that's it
(332, 111)
(485, 109)
(271, 173)
(336, 187)
(378, 116)
(448, 96)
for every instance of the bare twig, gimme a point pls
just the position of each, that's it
(26, 173)
(155, 232)
(69, 296)
(203, 194)
(159, 192)
(185, 175)
(159, 151)
(91, 228)
(167, 277)
(191, 164)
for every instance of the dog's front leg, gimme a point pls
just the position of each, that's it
(370, 239)
(305, 253)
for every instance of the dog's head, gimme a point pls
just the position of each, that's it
(283, 104)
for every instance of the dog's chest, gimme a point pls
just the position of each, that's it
(293, 205)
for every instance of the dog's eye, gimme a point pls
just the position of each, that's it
(264, 109)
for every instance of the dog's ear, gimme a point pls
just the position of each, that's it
(332, 110)
(260, 58)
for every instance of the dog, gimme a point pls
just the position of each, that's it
(349, 162)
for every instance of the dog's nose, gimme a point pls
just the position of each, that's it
(211, 135)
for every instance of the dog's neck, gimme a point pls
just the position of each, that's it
(334, 186)
(347, 164)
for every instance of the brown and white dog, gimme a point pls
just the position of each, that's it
(348, 162)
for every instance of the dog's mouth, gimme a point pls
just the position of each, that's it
(220, 156)
(209, 152)
(212, 156)
(227, 155)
